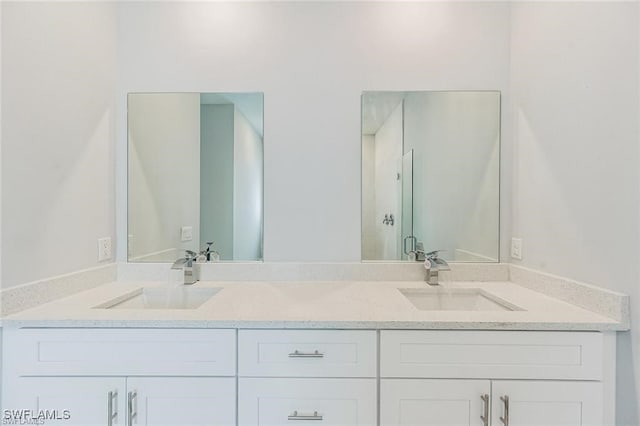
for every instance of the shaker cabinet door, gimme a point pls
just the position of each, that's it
(69, 401)
(422, 402)
(552, 403)
(182, 401)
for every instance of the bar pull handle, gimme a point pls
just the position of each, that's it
(412, 246)
(298, 354)
(112, 415)
(298, 416)
(505, 418)
(132, 405)
(485, 416)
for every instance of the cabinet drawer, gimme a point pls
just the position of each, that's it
(289, 402)
(309, 353)
(491, 354)
(123, 352)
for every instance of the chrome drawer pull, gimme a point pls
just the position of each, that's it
(298, 354)
(314, 416)
(505, 419)
(111, 415)
(133, 405)
(485, 416)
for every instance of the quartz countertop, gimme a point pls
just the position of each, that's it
(316, 304)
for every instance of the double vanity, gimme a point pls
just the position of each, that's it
(315, 352)
(324, 344)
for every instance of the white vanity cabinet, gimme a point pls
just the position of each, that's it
(289, 377)
(189, 377)
(487, 378)
(169, 377)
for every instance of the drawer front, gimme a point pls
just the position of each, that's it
(308, 353)
(491, 354)
(120, 352)
(333, 402)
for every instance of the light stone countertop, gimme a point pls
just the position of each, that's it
(317, 305)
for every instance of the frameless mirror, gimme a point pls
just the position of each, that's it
(430, 175)
(195, 173)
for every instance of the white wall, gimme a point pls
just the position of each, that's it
(216, 166)
(574, 76)
(164, 174)
(247, 190)
(1, 199)
(576, 184)
(455, 138)
(58, 82)
(312, 79)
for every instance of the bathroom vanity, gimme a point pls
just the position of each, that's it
(193, 376)
(336, 353)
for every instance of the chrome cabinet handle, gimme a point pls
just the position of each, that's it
(296, 416)
(132, 404)
(111, 415)
(505, 419)
(298, 354)
(485, 416)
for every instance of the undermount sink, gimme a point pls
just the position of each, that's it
(161, 298)
(455, 299)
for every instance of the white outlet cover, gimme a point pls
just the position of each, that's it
(516, 248)
(186, 233)
(104, 249)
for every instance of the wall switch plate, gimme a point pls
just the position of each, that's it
(104, 249)
(186, 233)
(516, 248)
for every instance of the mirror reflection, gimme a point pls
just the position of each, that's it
(195, 175)
(430, 175)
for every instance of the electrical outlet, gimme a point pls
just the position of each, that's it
(186, 233)
(516, 248)
(104, 249)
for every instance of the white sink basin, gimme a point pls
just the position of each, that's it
(161, 298)
(455, 299)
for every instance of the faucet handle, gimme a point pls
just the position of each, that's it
(433, 254)
(190, 255)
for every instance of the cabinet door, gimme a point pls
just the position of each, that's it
(433, 402)
(182, 401)
(77, 401)
(553, 403)
(293, 402)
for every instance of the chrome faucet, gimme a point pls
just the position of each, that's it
(433, 264)
(186, 264)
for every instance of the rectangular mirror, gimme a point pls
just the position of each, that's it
(431, 175)
(195, 175)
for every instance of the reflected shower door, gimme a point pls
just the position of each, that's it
(406, 228)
